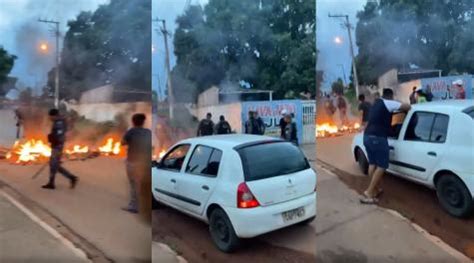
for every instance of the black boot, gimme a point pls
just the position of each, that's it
(74, 182)
(49, 186)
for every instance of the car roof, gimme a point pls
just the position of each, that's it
(444, 105)
(229, 140)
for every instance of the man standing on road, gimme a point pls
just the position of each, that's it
(251, 125)
(413, 96)
(376, 142)
(282, 123)
(206, 126)
(260, 123)
(19, 123)
(223, 127)
(342, 107)
(364, 107)
(138, 140)
(57, 139)
(290, 130)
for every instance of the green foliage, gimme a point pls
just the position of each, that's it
(108, 46)
(268, 44)
(428, 34)
(6, 64)
(337, 86)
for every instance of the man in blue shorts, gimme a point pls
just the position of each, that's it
(376, 141)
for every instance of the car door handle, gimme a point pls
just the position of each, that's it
(432, 153)
(173, 181)
(205, 187)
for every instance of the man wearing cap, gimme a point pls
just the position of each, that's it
(282, 123)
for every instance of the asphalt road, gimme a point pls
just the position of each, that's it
(90, 214)
(415, 202)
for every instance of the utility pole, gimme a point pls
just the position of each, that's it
(348, 25)
(165, 33)
(343, 73)
(56, 71)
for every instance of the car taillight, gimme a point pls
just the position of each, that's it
(245, 198)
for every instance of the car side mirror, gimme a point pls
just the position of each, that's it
(156, 164)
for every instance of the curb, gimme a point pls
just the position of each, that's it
(166, 248)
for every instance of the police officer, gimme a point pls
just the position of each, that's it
(206, 126)
(57, 138)
(223, 127)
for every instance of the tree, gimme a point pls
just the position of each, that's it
(267, 44)
(403, 34)
(108, 46)
(337, 86)
(6, 64)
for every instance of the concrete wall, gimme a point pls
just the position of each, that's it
(389, 80)
(7, 128)
(101, 112)
(102, 94)
(209, 97)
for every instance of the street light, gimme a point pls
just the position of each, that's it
(43, 47)
(338, 40)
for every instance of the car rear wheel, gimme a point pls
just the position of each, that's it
(222, 232)
(454, 196)
(362, 161)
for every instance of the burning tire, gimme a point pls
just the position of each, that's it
(222, 232)
(362, 161)
(454, 196)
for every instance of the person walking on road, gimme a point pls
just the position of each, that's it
(222, 127)
(260, 123)
(376, 142)
(57, 139)
(413, 96)
(290, 130)
(251, 125)
(364, 108)
(282, 123)
(206, 126)
(342, 107)
(138, 140)
(19, 123)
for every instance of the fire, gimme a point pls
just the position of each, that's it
(31, 151)
(78, 149)
(325, 129)
(110, 147)
(161, 154)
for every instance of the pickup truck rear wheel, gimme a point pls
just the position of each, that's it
(222, 232)
(362, 161)
(454, 196)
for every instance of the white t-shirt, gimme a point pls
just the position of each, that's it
(392, 105)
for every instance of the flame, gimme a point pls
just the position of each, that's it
(325, 129)
(161, 154)
(31, 151)
(110, 147)
(356, 125)
(78, 149)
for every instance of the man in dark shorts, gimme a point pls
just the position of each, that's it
(376, 141)
(57, 139)
(364, 107)
(138, 140)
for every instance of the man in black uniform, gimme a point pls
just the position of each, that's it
(57, 138)
(223, 127)
(206, 126)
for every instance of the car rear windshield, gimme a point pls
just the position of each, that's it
(272, 159)
(470, 111)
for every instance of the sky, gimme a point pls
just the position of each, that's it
(21, 34)
(168, 10)
(331, 55)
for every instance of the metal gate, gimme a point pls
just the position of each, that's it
(309, 121)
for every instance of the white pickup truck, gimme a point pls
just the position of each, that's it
(433, 144)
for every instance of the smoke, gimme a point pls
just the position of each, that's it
(33, 64)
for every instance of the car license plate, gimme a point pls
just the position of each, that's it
(293, 214)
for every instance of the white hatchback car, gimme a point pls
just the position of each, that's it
(241, 185)
(433, 145)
